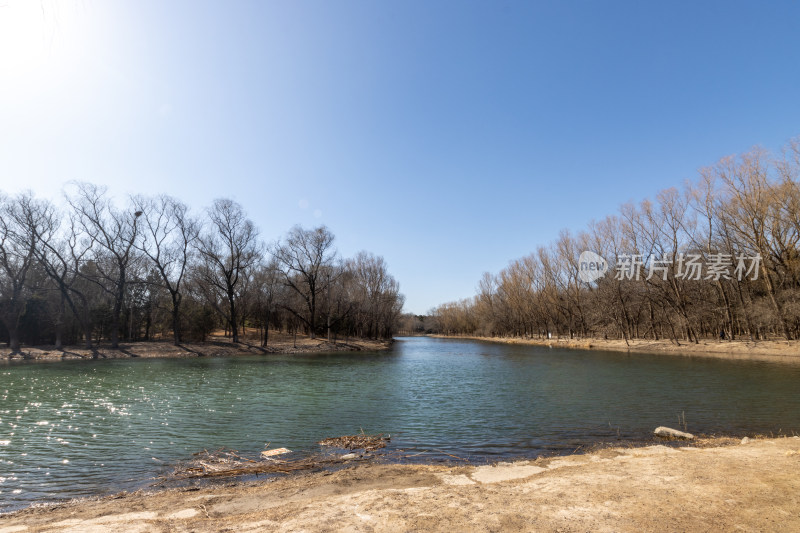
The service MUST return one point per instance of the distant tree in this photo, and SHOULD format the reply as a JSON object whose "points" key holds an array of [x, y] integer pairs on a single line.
{"points": [[169, 236], [305, 258], [62, 254], [753, 212], [113, 234], [94, 269], [719, 258], [267, 287], [21, 221], [228, 248], [378, 294]]}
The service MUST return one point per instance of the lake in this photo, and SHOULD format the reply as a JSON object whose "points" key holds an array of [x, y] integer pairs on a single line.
{"points": [[77, 428]]}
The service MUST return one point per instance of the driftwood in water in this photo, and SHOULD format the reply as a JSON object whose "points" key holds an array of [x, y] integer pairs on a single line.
{"points": [[228, 463], [357, 442]]}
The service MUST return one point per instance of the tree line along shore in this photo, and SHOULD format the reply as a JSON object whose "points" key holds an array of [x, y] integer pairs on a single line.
{"points": [[765, 350], [217, 344], [717, 258], [95, 272]]}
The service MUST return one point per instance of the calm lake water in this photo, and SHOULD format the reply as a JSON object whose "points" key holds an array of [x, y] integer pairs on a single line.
{"points": [[78, 428]]}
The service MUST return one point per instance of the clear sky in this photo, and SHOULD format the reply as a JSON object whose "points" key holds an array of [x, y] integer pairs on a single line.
{"points": [[447, 136]]}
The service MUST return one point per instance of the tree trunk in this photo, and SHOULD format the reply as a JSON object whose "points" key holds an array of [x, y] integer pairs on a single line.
{"points": [[728, 312], [176, 317], [234, 325], [87, 330], [116, 316], [176, 328], [60, 324], [312, 324], [13, 339], [266, 329], [775, 304]]}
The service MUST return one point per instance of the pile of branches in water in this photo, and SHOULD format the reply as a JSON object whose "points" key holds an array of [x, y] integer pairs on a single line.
{"points": [[364, 442], [227, 463]]}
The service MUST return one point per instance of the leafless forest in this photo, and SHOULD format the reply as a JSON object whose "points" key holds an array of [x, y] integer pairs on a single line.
{"points": [[92, 270], [717, 258]]}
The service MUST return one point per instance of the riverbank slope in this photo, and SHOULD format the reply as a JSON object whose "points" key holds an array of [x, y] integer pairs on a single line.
{"points": [[728, 486], [788, 351], [215, 346]]}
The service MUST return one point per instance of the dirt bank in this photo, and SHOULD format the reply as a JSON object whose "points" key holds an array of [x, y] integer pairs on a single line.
{"points": [[215, 346], [788, 351], [749, 487]]}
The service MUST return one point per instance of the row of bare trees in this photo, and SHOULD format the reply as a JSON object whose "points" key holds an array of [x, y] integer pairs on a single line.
{"points": [[91, 270], [717, 258]]}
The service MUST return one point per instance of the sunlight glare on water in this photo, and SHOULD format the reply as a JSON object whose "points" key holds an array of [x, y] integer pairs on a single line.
{"points": [[78, 428]]}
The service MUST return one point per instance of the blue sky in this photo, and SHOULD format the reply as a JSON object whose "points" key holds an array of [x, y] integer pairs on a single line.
{"points": [[448, 136]]}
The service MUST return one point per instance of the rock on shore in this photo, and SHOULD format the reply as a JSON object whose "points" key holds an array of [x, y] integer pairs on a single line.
{"points": [[670, 433]]}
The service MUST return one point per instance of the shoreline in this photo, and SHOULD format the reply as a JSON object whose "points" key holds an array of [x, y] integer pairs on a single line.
{"points": [[717, 483], [215, 346], [302, 463], [774, 351]]}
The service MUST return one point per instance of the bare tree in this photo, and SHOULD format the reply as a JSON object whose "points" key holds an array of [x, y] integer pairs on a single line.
{"points": [[62, 255], [719, 258], [304, 257], [169, 236], [749, 209], [267, 286], [21, 220], [378, 293], [228, 248], [94, 270], [113, 233]]}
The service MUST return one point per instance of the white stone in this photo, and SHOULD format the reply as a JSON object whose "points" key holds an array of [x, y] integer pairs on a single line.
{"points": [[276, 451], [662, 431]]}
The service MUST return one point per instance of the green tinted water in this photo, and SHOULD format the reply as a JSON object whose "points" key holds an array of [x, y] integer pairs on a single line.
{"points": [[77, 428]]}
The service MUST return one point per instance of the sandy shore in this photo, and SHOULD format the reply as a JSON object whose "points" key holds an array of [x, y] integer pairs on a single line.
{"points": [[787, 351], [215, 346], [727, 486]]}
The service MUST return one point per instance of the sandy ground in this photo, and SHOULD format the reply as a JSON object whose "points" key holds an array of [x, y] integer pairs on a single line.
{"points": [[788, 351], [725, 487], [216, 346]]}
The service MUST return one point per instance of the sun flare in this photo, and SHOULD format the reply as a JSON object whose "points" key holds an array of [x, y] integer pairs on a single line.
{"points": [[35, 35]]}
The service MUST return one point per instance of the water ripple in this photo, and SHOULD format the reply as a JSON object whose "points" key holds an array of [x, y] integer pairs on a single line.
{"points": [[79, 428]]}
